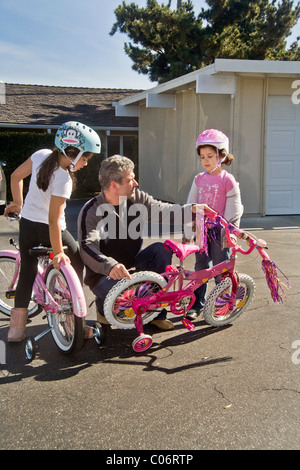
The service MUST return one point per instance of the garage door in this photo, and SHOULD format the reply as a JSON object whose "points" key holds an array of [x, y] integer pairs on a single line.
{"points": [[283, 157]]}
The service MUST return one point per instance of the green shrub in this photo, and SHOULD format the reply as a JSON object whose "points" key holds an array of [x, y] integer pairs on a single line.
{"points": [[16, 147]]}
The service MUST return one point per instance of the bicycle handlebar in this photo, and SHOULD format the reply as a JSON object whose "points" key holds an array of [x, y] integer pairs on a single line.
{"points": [[231, 229], [12, 216], [268, 266]]}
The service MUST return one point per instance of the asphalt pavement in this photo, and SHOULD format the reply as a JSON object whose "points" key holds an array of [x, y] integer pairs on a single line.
{"points": [[231, 388]]}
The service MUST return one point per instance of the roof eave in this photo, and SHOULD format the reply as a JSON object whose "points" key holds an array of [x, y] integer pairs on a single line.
{"points": [[223, 66], [51, 126]]}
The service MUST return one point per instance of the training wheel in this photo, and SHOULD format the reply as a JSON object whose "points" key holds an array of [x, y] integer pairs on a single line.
{"points": [[30, 349], [99, 334], [141, 343]]}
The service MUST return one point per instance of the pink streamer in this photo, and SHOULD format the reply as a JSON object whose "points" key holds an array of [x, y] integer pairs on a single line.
{"points": [[274, 284], [201, 232]]}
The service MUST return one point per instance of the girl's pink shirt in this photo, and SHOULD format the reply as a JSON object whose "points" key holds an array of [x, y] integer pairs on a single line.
{"points": [[212, 189]]}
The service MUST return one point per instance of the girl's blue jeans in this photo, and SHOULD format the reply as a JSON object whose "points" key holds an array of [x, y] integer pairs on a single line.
{"points": [[215, 255]]}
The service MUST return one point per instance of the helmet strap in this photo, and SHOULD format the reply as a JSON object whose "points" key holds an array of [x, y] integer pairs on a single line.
{"points": [[73, 162], [219, 161]]}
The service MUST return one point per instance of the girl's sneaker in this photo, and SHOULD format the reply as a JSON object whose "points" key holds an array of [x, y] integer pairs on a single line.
{"points": [[193, 314]]}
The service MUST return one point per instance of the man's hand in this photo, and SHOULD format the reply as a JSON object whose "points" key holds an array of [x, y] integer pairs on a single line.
{"points": [[118, 272]]}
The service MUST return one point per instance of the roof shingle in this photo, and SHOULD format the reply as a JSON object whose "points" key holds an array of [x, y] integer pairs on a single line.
{"points": [[40, 105]]}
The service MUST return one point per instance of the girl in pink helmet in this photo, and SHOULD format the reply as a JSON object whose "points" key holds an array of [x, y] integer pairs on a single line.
{"points": [[219, 190]]}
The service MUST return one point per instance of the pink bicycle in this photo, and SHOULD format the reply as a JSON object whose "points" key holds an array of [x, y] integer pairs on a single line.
{"points": [[58, 293], [135, 302]]}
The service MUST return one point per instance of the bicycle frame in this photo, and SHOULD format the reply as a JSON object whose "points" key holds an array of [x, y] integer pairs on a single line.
{"points": [[41, 293], [65, 305], [195, 279]]}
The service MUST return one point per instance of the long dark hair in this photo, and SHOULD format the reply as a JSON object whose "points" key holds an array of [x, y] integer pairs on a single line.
{"points": [[50, 164]]}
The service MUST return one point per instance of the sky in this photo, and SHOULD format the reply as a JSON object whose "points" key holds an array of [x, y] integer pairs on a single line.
{"points": [[67, 43]]}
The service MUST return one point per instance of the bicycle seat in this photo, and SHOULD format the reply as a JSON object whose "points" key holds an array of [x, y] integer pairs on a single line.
{"points": [[43, 251], [40, 251], [180, 250]]}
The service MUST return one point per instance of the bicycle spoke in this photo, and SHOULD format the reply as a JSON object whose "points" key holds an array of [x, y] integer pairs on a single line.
{"points": [[67, 328]]}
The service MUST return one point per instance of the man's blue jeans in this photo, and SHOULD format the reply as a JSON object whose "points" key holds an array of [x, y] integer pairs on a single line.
{"points": [[215, 255], [153, 258]]}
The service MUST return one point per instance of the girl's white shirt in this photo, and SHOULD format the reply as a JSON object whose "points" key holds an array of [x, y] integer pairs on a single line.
{"points": [[37, 201]]}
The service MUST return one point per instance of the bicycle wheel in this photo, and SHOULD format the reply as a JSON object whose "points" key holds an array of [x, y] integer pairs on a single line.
{"points": [[117, 306], [216, 310], [67, 328], [8, 266], [142, 343]]}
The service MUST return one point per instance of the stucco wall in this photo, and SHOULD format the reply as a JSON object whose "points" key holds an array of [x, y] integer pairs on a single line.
{"points": [[248, 142], [168, 161], [167, 158]]}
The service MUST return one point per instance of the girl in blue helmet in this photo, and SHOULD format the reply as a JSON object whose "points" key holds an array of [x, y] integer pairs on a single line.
{"points": [[43, 213]]}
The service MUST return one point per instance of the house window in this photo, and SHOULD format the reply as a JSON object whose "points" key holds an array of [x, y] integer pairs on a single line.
{"points": [[113, 145], [129, 146], [122, 145]]}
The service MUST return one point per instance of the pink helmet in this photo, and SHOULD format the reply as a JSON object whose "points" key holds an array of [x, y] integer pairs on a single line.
{"points": [[215, 138]]}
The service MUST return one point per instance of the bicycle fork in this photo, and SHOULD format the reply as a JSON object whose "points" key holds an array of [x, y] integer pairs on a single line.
{"points": [[229, 306]]}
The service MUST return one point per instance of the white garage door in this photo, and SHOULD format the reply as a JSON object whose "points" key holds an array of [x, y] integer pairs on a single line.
{"points": [[283, 156]]}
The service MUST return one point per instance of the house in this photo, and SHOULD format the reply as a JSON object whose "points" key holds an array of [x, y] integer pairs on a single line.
{"points": [[256, 103], [44, 108]]}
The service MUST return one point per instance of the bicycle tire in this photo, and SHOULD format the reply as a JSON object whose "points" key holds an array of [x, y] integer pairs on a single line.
{"points": [[140, 284], [67, 328], [221, 293], [142, 343], [8, 266]]}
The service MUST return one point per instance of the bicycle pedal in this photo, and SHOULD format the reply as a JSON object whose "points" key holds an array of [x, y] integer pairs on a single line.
{"points": [[188, 324], [10, 294]]}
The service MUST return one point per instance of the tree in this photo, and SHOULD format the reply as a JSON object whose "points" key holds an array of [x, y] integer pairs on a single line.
{"points": [[246, 29], [168, 39], [169, 43]]}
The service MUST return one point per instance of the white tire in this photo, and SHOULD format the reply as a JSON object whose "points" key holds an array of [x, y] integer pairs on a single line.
{"points": [[221, 293], [117, 305], [8, 266]]}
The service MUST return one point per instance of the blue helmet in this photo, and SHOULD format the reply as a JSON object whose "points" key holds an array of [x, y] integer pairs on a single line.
{"points": [[78, 135]]}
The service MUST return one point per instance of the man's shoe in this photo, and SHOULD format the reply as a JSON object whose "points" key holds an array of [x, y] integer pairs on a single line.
{"points": [[193, 314], [88, 332], [101, 319], [163, 324]]}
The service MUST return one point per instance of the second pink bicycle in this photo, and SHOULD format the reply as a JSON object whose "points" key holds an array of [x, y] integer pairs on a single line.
{"points": [[57, 292]]}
